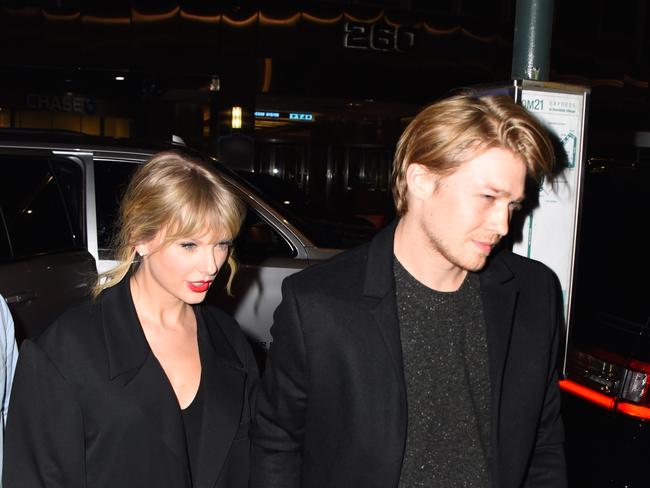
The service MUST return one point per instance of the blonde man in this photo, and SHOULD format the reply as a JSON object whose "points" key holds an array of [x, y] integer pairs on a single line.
{"points": [[427, 357]]}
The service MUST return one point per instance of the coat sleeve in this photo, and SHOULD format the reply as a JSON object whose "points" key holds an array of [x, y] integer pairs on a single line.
{"points": [[282, 402], [9, 355], [44, 442], [548, 465]]}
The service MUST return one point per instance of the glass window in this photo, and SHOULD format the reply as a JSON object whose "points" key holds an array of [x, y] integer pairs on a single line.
{"points": [[111, 178], [69, 177], [33, 207], [5, 250], [258, 240]]}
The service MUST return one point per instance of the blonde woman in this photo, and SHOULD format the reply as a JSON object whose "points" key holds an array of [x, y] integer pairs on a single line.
{"points": [[143, 386]]}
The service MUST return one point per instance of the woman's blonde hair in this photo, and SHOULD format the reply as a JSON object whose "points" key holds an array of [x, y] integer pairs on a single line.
{"points": [[178, 193], [453, 130]]}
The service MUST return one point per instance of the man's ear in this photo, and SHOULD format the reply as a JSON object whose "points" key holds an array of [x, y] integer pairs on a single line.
{"points": [[420, 180]]}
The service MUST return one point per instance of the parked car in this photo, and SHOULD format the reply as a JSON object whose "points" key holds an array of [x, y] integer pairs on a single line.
{"points": [[607, 383], [88, 176]]}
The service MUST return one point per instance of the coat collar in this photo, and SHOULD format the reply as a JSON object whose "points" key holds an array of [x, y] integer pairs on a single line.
{"points": [[132, 364], [499, 291], [379, 279], [224, 380], [126, 343], [379, 289]]}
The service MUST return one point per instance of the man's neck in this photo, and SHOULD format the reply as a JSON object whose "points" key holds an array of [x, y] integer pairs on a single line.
{"points": [[416, 253]]}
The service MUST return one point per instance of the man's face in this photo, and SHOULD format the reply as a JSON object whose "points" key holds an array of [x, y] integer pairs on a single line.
{"points": [[469, 211]]}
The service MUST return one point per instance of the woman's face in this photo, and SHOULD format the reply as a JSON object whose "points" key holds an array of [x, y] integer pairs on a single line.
{"points": [[182, 269]]}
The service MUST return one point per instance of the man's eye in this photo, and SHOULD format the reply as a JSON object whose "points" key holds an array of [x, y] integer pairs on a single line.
{"points": [[488, 197]]}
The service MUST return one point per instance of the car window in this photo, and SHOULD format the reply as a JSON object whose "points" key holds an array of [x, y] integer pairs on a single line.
{"points": [[258, 240], [33, 207], [5, 250], [111, 179], [70, 179], [323, 226]]}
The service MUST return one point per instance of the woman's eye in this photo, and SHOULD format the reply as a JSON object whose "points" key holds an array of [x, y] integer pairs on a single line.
{"points": [[224, 244], [488, 197], [188, 245]]}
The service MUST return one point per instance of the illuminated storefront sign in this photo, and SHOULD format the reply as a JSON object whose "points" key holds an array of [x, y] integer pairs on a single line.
{"points": [[293, 116], [65, 103], [299, 116]]}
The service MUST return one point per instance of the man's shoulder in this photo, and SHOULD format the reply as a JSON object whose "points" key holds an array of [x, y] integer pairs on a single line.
{"points": [[526, 270], [344, 270]]}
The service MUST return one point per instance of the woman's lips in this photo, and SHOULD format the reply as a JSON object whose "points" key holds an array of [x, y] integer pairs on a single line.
{"points": [[199, 286]]}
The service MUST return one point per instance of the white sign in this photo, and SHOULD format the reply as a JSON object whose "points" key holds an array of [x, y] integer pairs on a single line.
{"points": [[549, 233]]}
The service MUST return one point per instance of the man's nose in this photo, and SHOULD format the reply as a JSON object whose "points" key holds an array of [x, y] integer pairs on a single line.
{"points": [[500, 223]]}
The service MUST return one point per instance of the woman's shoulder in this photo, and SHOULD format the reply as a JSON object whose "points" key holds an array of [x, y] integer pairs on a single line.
{"points": [[73, 331]]}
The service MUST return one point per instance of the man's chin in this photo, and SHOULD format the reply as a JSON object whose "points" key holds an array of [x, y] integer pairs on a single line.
{"points": [[476, 265]]}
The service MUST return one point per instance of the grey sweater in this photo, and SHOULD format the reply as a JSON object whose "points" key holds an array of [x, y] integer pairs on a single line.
{"points": [[445, 357]]}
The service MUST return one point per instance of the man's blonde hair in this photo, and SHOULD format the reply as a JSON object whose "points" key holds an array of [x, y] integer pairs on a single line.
{"points": [[179, 194], [455, 129]]}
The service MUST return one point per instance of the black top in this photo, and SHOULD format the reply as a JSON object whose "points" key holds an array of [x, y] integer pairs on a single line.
{"points": [[447, 386], [193, 420]]}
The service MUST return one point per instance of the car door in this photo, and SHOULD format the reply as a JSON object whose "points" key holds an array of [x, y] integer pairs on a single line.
{"points": [[44, 266], [266, 256]]}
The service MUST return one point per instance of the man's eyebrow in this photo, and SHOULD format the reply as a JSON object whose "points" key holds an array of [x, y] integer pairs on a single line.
{"points": [[501, 192]]}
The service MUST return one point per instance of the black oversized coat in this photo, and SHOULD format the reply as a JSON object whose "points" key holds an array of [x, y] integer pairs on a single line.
{"points": [[92, 407], [332, 408]]}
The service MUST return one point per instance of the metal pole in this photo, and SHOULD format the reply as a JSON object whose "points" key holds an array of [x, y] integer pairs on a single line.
{"points": [[532, 41]]}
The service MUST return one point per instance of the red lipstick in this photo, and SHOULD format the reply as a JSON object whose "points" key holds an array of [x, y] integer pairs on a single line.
{"points": [[199, 286]]}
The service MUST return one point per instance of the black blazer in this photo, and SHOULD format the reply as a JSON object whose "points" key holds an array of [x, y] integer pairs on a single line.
{"points": [[332, 407], [92, 407]]}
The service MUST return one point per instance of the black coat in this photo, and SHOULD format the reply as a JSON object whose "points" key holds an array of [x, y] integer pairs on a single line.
{"points": [[92, 407], [332, 407]]}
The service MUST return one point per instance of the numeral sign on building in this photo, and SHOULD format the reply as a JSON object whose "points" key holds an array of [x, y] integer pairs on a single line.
{"points": [[378, 37]]}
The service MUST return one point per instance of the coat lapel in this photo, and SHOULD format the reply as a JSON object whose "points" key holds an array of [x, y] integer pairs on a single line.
{"points": [[499, 294], [379, 290], [133, 367], [224, 380]]}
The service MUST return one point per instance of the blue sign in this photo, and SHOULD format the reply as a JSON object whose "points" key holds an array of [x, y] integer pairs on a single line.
{"points": [[299, 116], [262, 113], [269, 114]]}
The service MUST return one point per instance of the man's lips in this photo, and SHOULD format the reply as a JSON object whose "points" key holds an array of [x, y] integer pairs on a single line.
{"points": [[486, 247], [199, 286]]}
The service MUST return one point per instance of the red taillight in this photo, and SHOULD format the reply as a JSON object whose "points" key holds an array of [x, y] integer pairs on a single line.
{"points": [[587, 393], [610, 381], [633, 410]]}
